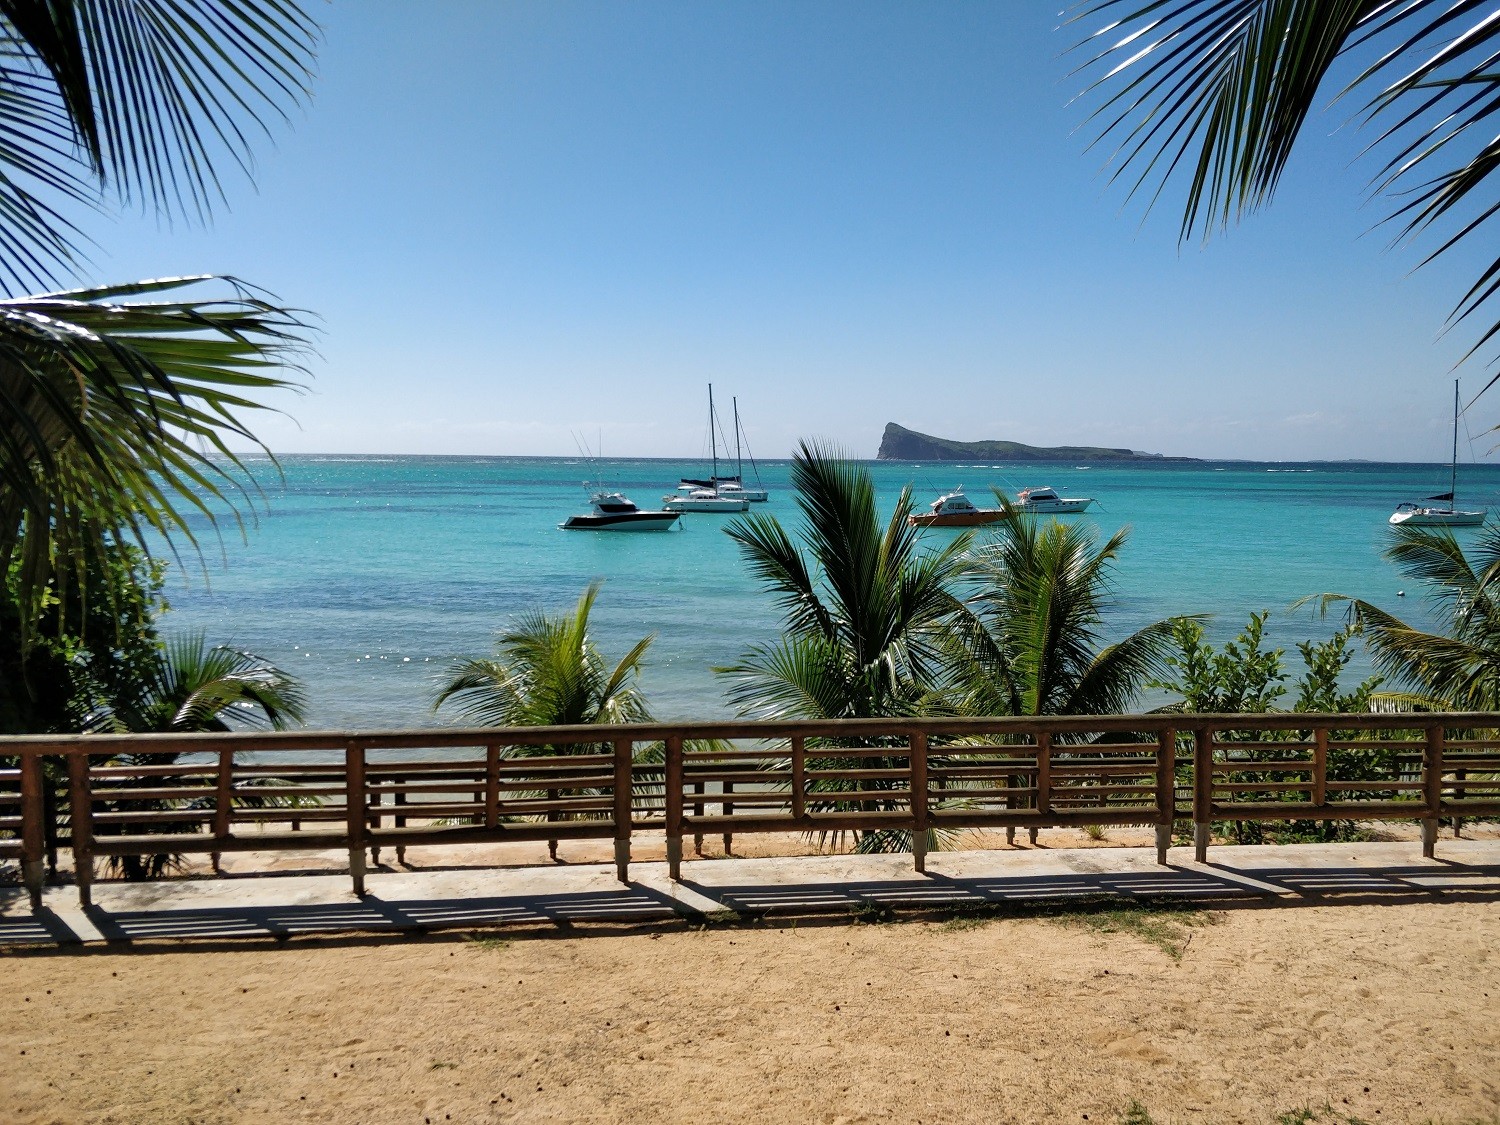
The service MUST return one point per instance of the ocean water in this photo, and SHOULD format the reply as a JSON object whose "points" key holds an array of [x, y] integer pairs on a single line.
{"points": [[366, 576]]}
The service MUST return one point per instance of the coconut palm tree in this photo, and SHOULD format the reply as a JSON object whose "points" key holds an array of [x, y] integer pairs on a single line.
{"points": [[1032, 642], [1221, 90], [117, 403], [547, 671], [191, 687], [865, 610], [194, 688], [1455, 670], [865, 605]]}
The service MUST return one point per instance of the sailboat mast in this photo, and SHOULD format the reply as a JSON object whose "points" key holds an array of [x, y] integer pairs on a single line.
{"points": [[739, 462], [1453, 476], [713, 441]]}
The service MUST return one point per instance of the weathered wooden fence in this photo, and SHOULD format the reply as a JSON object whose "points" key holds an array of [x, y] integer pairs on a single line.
{"points": [[138, 796]]}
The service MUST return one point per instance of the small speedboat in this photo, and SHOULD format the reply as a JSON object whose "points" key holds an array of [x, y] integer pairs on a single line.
{"points": [[612, 511], [1418, 515], [1046, 502], [954, 509], [705, 500]]}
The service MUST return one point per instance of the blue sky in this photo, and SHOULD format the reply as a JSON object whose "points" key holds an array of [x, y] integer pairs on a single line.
{"points": [[521, 220]]}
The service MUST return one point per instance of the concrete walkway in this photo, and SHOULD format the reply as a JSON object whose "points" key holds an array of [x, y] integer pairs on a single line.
{"points": [[442, 898]]}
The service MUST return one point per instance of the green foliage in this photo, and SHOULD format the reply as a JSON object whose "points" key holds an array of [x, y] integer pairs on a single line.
{"points": [[1243, 678], [1136, 1114], [547, 671], [1458, 669], [1218, 92], [1031, 643], [866, 610], [1247, 677], [119, 404], [99, 643], [865, 607]]}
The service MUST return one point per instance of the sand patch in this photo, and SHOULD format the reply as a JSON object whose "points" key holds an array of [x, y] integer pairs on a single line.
{"points": [[1383, 1012]]}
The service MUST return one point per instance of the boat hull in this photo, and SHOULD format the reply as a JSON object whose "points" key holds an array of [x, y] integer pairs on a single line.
{"points": [[1064, 507], [674, 505], [621, 521], [1439, 517], [975, 518]]}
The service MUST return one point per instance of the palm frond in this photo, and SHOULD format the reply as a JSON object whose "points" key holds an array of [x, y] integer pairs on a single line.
{"points": [[1219, 93], [137, 100]]}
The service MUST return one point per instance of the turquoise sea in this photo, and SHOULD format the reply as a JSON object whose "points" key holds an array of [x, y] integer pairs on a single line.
{"points": [[366, 575]]}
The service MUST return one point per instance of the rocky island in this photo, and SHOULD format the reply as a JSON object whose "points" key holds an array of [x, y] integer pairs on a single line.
{"points": [[901, 444]]}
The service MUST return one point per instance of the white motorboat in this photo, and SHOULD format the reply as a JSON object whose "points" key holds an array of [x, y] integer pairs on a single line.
{"points": [[612, 511], [733, 487], [705, 500], [954, 509], [1444, 512], [1046, 502]]}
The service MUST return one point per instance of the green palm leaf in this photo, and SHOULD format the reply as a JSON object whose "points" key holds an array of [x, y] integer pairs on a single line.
{"points": [[1219, 92], [118, 413], [135, 99]]}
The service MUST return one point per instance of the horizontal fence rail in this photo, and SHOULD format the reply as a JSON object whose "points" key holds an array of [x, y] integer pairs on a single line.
{"points": [[894, 785]]}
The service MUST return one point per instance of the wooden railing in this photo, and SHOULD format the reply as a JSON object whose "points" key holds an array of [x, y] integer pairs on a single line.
{"points": [[138, 796]]}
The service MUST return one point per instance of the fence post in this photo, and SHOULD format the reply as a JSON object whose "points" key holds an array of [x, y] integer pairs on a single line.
{"points": [[699, 788], [1043, 778], [673, 783], [1432, 777], [356, 817], [223, 798], [918, 762], [81, 828], [491, 785], [1166, 791], [398, 800], [799, 777], [727, 808], [622, 809], [1203, 790], [1320, 766], [33, 835]]}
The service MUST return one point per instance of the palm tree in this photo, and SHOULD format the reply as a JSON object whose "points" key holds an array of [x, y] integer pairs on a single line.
{"points": [[865, 607], [865, 610], [191, 687], [116, 402], [1224, 88], [1031, 644], [1457, 670], [547, 671]]}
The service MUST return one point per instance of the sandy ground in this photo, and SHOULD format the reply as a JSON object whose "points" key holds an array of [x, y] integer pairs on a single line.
{"points": [[1385, 1013]]}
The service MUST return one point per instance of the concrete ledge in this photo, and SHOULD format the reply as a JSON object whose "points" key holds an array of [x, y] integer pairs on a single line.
{"points": [[403, 900]]}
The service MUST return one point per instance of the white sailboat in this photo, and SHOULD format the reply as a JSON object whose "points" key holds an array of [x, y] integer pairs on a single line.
{"points": [[733, 487], [1445, 513], [706, 496]]}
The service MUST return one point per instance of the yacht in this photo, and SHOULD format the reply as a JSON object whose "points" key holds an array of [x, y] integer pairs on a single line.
{"points": [[704, 500], [1046, 502], [954, 509], [1445, 512], [733, 487], [612, 511]]}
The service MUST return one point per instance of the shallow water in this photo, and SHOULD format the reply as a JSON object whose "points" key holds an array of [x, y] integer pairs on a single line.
{"points": [[368, 574]]}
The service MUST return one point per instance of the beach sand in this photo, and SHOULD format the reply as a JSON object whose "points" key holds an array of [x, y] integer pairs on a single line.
{"points": [[1386, 1013]]}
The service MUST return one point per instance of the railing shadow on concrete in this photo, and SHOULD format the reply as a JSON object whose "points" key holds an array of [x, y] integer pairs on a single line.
{"points": [[592, 898]]}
